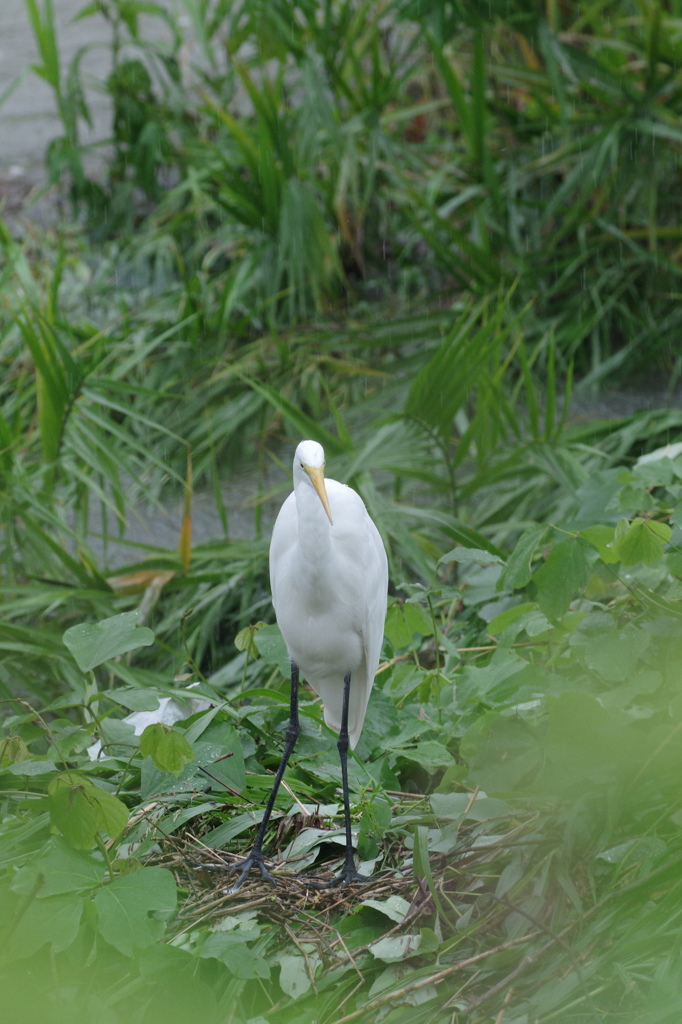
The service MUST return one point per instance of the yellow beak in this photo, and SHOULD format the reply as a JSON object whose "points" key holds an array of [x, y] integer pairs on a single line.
{"points": [[316, 474]]}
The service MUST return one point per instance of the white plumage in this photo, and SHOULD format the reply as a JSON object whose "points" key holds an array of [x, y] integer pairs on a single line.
{"points": [[329, 578]]}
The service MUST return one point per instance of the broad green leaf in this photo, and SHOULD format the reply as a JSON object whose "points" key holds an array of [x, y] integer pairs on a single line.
{"points": [[272, 648], [395, 907], [501, 752], [526, 616], [519, 564], [585, 743], [230, 770], [124, 907], [494, 681], [228, 831], [12, 750], [634, 850], [168, 749], [60, 869], [601, 537], [560, 577], [608, 650], [245, 639], [54, 920], [32, 767], [395, 947], [245, 922], [404, 621], [80, 810], [196, 729], [176, 819], [230, 947], [642, 540], [430, 754], [455, 805], [471, 555], [134, 698], [94, 643], [294, 978]]}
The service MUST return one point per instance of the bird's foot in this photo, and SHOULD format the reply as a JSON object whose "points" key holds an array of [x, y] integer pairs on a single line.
{"points": [[348, 876], [254, 860]]}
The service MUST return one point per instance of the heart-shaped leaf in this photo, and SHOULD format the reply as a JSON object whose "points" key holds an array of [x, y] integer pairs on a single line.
{"points": [[168, 749], [642, 540], [94, 643], [80, 810], [125, 905]]}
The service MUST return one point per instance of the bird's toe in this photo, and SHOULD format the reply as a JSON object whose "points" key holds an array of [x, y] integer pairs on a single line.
{"points": [[254, 859]]}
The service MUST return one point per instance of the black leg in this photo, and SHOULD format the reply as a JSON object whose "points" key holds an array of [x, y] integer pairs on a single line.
{"points": [[255, 858], [348, 872]]}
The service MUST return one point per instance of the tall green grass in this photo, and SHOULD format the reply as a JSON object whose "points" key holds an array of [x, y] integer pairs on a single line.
{"points": [[313, 157]]}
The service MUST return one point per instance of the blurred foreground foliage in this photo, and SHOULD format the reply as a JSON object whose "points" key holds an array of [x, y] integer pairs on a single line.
{"points": [[403, 229], [515, 786]]}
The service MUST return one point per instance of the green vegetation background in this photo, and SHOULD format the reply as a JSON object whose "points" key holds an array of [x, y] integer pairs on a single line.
{"points": [[406, 229]]}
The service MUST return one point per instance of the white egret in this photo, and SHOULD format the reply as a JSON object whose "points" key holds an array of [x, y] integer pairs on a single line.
{"points": [[329, 578]]}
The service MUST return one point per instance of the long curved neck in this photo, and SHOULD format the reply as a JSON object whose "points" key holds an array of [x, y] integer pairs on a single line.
{"points": [[313, 525], [314, 541]]}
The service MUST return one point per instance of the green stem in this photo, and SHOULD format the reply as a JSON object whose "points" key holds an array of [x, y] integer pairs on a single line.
{"points": [[105, 853]]}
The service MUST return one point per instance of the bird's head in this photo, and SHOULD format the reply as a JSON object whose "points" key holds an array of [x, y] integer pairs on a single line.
{"points": [[309, 465]]}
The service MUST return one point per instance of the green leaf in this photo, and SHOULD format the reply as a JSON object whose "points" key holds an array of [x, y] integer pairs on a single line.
{"points": [[168, 749], [652, 600], [585, 744], [61, 869], [81, 810], [561, 576], [454, 806], [422, 866], [492, 681], [54, 920], [273, 649], [94, 643], [245, 639], [430, 754], [608, 650], [33, 767], [395, 907], [642, 540], [404, 621], [232, 950], [471, 555], [12, 750], [526, 616], [601, 538], [518, 571], [124, 907], [305, 425], [228, 831], [395, 947], [501, 752], [459, 359], [230, 770], [294, 978], [134, 698]]}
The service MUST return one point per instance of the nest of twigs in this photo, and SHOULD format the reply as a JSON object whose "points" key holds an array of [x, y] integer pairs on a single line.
{"points": [[207, 876]]}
